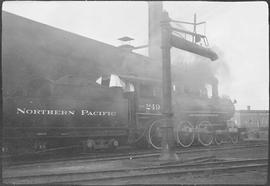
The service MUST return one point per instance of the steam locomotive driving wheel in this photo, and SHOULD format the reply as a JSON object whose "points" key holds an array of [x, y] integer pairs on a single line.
{"points": [[185, 134], [154, 135], [205, 133], [219, 137]]}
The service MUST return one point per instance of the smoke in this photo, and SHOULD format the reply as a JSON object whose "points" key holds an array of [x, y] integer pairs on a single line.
{"points": [[220, 66], [198, 71], [222, 71]]}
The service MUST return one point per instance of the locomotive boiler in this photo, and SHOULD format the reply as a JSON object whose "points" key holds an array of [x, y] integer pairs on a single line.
{"points": [[200, 115]]}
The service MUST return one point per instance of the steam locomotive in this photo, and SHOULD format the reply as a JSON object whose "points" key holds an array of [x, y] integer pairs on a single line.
{"points": [[61, 89]]}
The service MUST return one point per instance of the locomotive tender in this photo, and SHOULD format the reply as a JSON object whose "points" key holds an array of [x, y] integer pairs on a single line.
{"points": [[51, 98]]}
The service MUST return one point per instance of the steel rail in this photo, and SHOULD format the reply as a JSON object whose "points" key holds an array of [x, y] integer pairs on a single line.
{"points": [[180, 172], [123, 156], [90, 176]]}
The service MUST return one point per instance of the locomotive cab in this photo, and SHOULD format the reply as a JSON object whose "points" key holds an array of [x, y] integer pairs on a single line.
{"points": [[144, 105]]}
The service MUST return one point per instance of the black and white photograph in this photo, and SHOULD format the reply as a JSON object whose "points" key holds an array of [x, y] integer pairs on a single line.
{"points": [[135, 92]]}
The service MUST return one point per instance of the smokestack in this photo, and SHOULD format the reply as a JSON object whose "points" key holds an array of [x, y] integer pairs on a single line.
{"points": [[154, 30]]}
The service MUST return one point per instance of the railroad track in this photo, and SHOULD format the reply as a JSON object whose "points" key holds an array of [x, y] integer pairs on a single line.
{"points": [[132, 155], [211, 166]]}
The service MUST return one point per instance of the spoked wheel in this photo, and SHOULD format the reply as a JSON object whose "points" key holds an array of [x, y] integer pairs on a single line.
{"points": [[113, 144], [218, 138], [234, 138], [89, 145], [5, 149], [185, 134], [205, 133], [154, 135]]}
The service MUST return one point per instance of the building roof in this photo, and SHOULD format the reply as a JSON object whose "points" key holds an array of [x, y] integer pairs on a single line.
{"points": [[32, 48], [252, 111]]}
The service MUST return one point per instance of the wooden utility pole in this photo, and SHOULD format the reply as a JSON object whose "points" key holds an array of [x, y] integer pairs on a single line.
{"points": [[169, 40], [168, 144]]}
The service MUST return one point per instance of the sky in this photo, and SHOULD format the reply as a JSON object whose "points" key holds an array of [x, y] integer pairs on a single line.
{"points": [[238, 30]]}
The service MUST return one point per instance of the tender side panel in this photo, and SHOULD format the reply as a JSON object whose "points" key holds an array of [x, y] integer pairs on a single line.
{"points": [[74, 116]]}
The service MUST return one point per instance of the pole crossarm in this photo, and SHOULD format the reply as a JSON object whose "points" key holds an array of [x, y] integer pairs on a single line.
{"points": [[187, 32], [175, 21], [200, 23]]}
